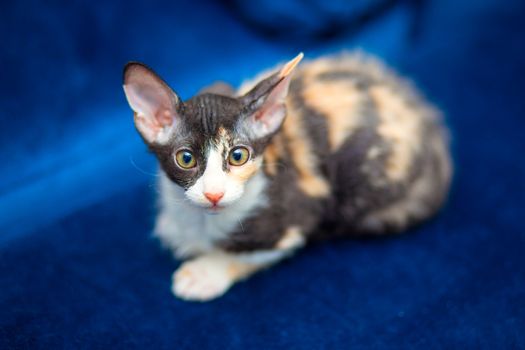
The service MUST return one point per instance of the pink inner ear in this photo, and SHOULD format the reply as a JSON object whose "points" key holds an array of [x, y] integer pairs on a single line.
{"points": [[150, 103], [271, 114], [149, 124], [276, 100], [265, 114], [165, 117]]}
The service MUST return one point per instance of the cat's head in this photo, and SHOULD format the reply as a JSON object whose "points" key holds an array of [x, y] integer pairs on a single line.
{"points": [[211, 145]]}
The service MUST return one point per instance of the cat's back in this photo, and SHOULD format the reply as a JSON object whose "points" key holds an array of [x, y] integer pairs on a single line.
{"points": [[362, 136], [346, 93]]}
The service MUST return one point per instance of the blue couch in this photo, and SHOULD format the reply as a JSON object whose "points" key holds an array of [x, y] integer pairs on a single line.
{"points": [[78, 266]]}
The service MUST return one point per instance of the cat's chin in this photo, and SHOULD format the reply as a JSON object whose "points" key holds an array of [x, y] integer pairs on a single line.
{"points": [[217, 209], [211, 209], [214, 210]]}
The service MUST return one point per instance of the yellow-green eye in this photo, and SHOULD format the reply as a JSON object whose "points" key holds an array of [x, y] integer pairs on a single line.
{"points": [[185, 159], [238, 156]]}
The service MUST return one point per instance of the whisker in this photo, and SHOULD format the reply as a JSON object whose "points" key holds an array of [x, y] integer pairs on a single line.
{"points": [[242, 227], [141, 170]]}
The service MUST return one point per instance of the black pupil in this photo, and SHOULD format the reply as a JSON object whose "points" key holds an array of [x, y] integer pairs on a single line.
{"points": [[187, 157], [237, 155]]}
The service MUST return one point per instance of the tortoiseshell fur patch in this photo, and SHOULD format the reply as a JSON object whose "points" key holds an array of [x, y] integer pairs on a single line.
{"points": [[360, 152]]}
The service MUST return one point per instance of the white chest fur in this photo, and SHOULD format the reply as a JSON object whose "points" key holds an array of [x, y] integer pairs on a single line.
{"points": [[188, 230]]}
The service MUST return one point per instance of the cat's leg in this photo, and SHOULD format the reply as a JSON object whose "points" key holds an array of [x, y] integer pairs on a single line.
{"points": [[210, 275]]}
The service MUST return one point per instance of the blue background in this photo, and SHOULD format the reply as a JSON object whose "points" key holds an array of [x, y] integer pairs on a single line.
{"points": [[78, 267]]}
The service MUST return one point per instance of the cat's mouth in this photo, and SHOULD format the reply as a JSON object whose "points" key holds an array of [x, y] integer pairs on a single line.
{"points": [[211, 208], [215, 209]]}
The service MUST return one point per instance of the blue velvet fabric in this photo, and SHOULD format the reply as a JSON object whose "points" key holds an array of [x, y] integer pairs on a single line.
{"points": [[78, 266]]}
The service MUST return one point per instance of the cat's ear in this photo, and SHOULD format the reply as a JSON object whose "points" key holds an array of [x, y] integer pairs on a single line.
{"points": [[265, 103], [154, 103]]}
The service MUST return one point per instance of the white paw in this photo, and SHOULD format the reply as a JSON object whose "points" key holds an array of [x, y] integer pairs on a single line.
{"points": [[202, 279]]}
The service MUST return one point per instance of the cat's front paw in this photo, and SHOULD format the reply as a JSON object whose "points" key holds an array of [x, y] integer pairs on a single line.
{"points": [[202, 279]]}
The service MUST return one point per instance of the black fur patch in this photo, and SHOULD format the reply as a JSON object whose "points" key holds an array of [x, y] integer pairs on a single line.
{"points": [[288, 206]]}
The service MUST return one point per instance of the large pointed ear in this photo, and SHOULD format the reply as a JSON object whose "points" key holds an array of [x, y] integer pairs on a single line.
{"points": [[154, 103], [265, 103]]}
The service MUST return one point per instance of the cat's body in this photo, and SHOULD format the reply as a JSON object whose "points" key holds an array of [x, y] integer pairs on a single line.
{"points": [[359, 152]]}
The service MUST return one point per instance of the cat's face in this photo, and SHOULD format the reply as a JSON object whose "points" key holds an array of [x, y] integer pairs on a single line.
{"points": [[211, 154], [210, 145]]}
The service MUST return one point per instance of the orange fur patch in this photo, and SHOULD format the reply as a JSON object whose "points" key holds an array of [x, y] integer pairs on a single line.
{"points": [[301, 152], [291, 239], [400, 124], [244, 172], [313, 68], [238, 270], [272, 154], [339, 102]]}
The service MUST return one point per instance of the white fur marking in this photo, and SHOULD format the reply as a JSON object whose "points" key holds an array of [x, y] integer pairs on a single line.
{"points": [[263, 257], [211, 275], [188, 229], [203, 278]]}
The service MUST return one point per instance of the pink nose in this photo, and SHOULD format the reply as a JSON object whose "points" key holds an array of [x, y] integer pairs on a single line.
{"points": [[214, 198]]}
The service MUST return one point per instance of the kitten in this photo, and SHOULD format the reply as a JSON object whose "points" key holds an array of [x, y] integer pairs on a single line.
{"points": [[342, 146]]}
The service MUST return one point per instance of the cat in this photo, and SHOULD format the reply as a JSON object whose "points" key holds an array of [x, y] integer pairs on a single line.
{"points": [[337, 146]]}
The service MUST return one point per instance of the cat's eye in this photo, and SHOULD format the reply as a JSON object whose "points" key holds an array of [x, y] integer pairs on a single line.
{"points": [[185, 159], [239, 156]]}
